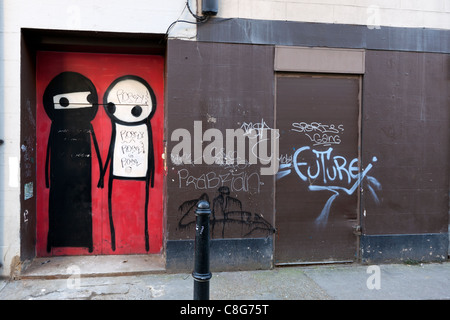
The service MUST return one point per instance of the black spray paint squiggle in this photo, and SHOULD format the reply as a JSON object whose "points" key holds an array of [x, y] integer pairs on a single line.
{"points": [[225, 211]]}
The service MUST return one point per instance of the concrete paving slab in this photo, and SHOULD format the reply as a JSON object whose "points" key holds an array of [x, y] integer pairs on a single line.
{"points": [[396, 281], [276, 284], [138, 287], [322, 282]]}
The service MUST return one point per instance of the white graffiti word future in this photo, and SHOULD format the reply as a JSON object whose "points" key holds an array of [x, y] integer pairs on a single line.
{"points": [[326, 171]]}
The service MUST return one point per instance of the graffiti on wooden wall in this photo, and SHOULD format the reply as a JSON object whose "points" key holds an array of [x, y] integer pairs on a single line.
{"points": [[238, 168], [325, 169], [226, 212], [318, 164]]}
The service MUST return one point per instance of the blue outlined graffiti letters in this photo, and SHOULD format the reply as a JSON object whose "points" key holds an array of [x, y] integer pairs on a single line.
{"points": [[327, 172]]}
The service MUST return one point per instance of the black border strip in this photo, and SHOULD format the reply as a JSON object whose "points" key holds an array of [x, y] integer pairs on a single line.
{"points": [[308, 34], [407, 248]]}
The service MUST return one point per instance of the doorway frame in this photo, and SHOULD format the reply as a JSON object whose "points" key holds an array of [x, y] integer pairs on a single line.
{"points": [[32, 41]]}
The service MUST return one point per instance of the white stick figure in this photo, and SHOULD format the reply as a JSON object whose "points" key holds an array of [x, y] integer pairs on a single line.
{"points": [[130, 104]]}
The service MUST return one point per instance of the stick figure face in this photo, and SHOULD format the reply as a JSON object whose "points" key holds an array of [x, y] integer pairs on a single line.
{"points": [[129, 100], [70, 96]]}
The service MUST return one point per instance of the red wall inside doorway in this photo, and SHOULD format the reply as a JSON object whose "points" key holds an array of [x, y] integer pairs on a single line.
{"points": [[128, 197]]}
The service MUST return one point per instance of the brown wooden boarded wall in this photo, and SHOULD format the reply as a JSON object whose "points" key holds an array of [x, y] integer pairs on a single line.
{"points": [[223, 87], [406, 113]]}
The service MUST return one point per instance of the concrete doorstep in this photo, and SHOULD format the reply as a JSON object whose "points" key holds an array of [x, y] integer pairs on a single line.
{"points": [[61, 267]]}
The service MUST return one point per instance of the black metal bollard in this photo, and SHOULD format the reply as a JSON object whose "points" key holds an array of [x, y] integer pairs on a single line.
{"points": [[201, 273]]}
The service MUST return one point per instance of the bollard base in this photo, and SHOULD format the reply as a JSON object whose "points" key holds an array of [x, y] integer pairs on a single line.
{"points": [[201, 285], [201, 290]]}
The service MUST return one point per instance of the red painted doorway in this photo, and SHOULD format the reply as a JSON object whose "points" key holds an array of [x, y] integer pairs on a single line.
{"points": [[99, 133]]}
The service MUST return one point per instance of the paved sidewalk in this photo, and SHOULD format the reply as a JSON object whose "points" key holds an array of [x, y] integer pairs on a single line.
{"points": [[322, 282]]}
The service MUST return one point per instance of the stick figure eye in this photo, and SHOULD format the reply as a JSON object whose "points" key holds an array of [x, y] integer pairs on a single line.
{"points": [[90, 98], [136, 111], [111, 107], [64, 102], [73, 100]]}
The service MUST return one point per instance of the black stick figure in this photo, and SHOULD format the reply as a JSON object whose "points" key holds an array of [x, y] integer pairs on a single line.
{"points": [[71, 102], [130, 104]]}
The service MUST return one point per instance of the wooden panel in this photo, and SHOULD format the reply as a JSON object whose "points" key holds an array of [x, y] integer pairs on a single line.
{"points": [[327, 60], [218, 87], [316, 188], [28, 154], [406, 117]]}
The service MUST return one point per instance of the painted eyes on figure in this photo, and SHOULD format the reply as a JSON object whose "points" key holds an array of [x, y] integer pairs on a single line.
{"points": [[64, 102], [111, 107], [136, 111], [73, 100]]}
